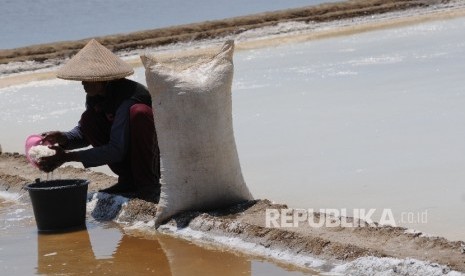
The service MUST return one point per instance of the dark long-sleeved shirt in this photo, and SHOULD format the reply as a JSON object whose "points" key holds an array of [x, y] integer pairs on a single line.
{"points": [[126, 93]]}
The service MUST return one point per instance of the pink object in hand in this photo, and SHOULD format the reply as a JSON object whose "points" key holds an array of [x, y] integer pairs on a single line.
{"points": [[31, 141]]}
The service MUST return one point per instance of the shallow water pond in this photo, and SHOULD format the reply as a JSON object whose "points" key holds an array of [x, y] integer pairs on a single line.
{"points": [[104, 249]]}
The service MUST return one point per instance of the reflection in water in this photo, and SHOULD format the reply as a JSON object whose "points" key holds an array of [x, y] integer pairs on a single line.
{"points": [[72, 253], [188, 259], [104, 249]]}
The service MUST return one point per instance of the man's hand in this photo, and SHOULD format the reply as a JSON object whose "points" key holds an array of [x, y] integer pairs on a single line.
{"points": [[50, 163], [54, 137]]}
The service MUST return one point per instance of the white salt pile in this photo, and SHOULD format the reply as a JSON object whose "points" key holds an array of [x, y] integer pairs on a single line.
{"points": [[106, 207], [8, 196], [366, 266], [37, 152]]}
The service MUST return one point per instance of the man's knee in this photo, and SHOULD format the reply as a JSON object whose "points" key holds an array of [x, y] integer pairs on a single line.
{"points": [[141, 112]]}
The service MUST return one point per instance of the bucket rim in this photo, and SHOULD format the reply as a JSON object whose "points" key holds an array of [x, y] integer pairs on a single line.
{"points": [[72, 183]]}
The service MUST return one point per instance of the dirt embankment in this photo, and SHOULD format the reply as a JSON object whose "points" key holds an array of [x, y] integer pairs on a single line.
{"points": [[214, 29], [247, 222]]}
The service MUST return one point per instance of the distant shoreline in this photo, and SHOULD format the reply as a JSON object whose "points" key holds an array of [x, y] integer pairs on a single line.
{"points": [[38, 62], [215, 29]]}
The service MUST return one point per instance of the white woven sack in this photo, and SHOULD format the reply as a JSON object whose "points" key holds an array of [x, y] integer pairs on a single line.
{"points": [[192, 108]]}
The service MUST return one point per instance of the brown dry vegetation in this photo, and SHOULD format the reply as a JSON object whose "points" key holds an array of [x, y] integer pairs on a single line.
{"points": [[214, 29]]}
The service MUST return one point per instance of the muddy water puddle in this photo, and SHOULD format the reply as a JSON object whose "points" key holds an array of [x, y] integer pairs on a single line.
{"points": [[104, 249]]}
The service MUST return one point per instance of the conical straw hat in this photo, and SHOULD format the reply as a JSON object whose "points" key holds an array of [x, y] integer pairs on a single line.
{"points": [[94, 62]]}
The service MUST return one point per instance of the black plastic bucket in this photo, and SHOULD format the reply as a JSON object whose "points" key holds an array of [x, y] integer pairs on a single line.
{"points": [[59, 205]]}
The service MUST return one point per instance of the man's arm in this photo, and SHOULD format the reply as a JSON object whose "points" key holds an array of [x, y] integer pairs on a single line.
{"points": [[70, 140], [112, 152], [75, 139], [117, 147]]}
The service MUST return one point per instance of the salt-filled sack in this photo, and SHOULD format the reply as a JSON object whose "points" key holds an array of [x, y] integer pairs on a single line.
{"points": [[192, 108]]}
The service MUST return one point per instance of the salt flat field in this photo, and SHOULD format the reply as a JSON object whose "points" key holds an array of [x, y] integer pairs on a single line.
{"points": [[373, 120]]}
